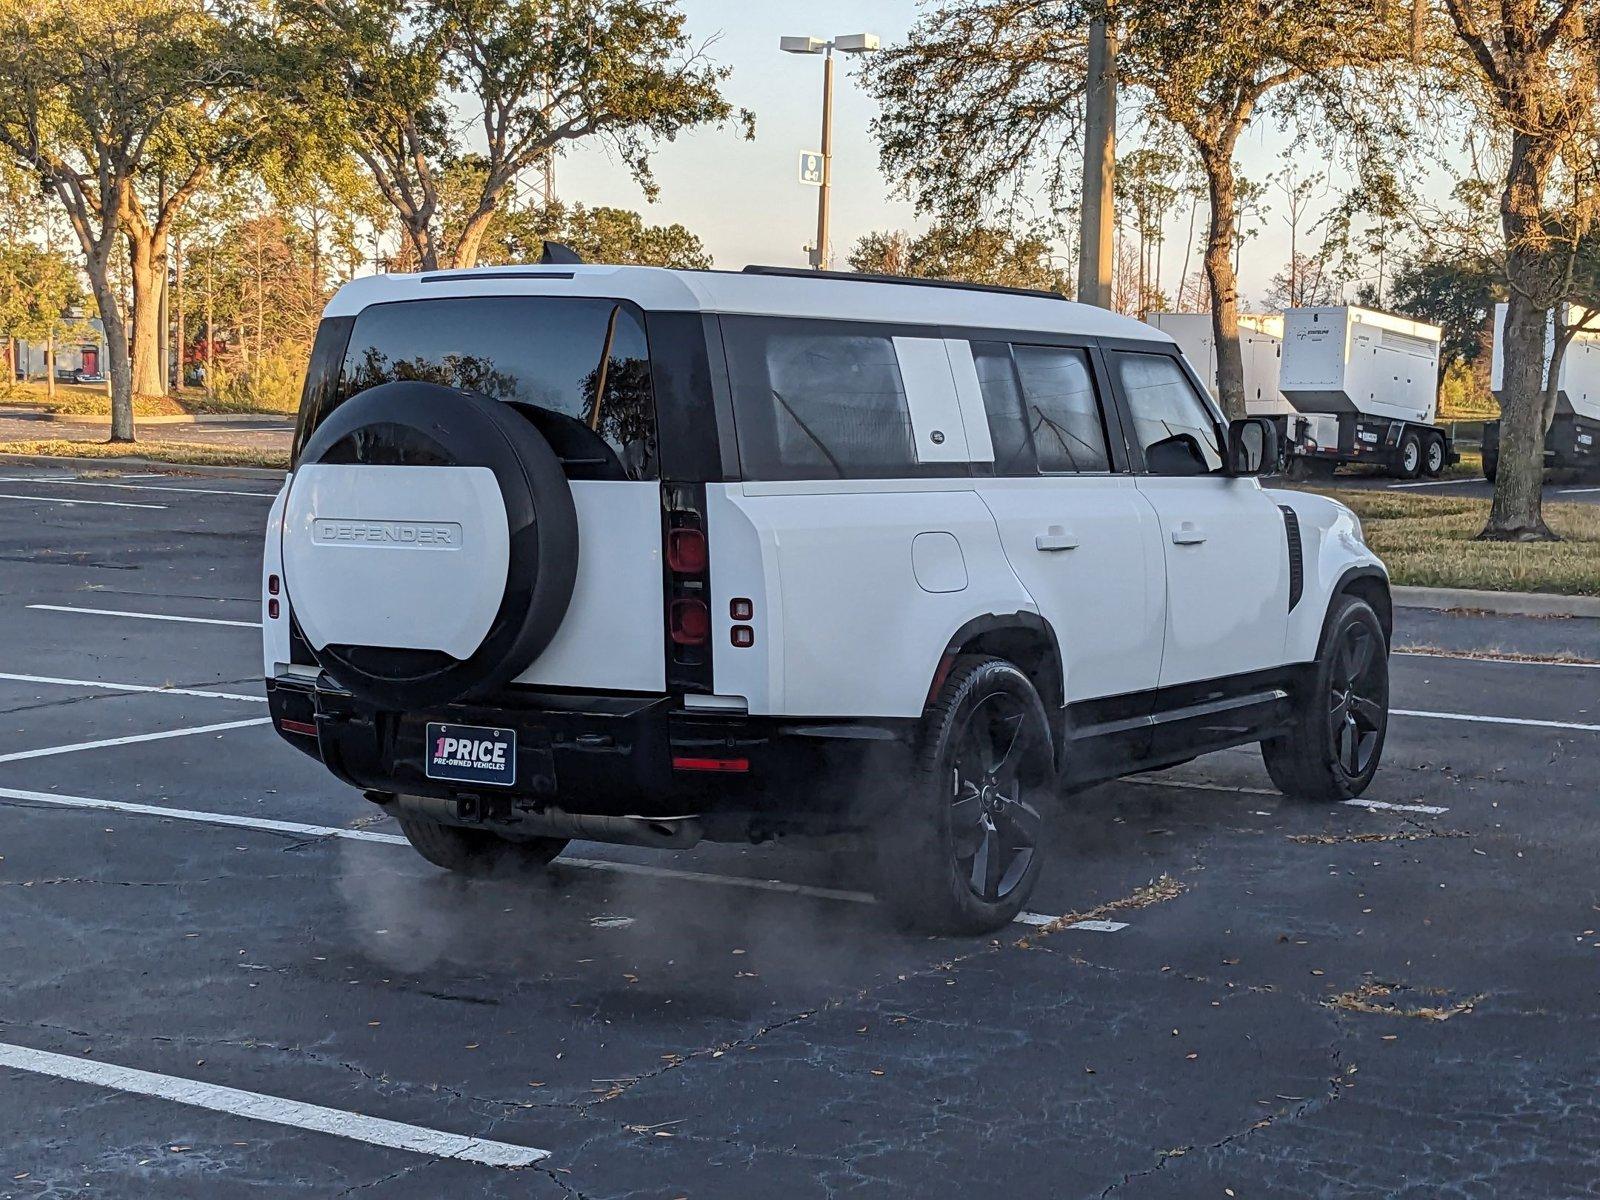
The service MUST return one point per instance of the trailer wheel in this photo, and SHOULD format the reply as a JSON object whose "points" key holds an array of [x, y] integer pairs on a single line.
{"points": [[1410, 456], [1491, 464], [1433, 457]]}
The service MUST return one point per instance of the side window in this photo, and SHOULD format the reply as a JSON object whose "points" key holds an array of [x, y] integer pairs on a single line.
{"points": [[1173, 425], [818, 400], [1002, 404], [1043, 413]]}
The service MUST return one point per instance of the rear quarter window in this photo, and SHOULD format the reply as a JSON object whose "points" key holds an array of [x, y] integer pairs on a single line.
{"points": [[821, 400]]}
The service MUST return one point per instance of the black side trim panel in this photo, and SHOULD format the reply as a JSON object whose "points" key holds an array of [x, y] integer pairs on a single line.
{"points": [[1297, 562]]}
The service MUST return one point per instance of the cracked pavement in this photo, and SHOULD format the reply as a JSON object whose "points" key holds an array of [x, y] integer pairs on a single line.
{"points": [[1320, 1002]]}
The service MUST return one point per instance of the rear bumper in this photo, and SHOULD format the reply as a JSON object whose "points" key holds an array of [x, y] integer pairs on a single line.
{"points": [[621, 755]]}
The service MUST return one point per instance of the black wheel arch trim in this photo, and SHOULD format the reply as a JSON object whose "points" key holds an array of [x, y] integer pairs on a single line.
{"points": [[1051, 673], [1346, 586]]}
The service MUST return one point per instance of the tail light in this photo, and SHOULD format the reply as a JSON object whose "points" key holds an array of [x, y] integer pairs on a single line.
{"points": [[688, 587], [690, 622], [687, 553]]}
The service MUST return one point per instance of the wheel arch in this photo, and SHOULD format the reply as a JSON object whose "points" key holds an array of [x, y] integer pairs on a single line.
{"points": [[1369, 584], [1029, 641]]}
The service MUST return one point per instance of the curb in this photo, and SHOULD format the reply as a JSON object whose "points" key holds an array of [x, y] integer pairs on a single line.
{"points": [[264, 420], [142, 464], [1507, 604]]}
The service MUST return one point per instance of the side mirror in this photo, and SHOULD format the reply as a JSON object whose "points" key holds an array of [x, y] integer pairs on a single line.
{"points": [[1252, 447]]}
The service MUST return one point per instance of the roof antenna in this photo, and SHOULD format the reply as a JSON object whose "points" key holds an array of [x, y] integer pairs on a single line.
{"points": [[555, 252]]}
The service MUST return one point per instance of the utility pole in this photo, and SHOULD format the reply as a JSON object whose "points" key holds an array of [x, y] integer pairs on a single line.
{"points": [[825, 192], [1098, 215], [851, 43]]}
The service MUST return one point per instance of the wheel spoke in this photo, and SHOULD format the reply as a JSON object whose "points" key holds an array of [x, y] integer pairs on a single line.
{"points": [[1340, 710], [1005, 770], [1368, 713], [1022, 824], [987, 867], [1352, 747], [1359, 653]]}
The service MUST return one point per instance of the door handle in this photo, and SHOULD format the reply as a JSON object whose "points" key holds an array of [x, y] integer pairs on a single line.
{"points": [[1056, 539], [1187, 534]]}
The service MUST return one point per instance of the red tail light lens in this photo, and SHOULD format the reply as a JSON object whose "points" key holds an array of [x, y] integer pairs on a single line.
{"points": [[718, 765], [686, 551], [272, 585], [272, 610], [690, 622]]}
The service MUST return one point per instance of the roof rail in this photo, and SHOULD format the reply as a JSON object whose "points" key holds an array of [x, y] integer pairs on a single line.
{"points": [[911, 280]]}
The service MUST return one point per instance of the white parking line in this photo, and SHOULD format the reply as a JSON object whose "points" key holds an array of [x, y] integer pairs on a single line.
{"points": [[52, 751], [1431, 810], [1384, 805], [95, 503], [1577, 491], [117, 612], [274, 1110], [1577, 726], [132, 687], [297, 829], [1434, 483], [134, 487]]}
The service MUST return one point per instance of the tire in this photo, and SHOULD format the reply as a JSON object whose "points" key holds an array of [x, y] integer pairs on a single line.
{"points": [[1335, 740], [1433, 457], [1491, 465], [1410, 464], [971, 811], [416, 424], [476, 852]]}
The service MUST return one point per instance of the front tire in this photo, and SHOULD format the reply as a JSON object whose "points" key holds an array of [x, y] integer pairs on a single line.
{"points": [[1335, 741], [1410, 456], [961, 855], [476, 852]]}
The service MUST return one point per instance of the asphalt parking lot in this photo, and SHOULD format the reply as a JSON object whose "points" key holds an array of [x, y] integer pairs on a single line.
{"points": [[223, 975]]}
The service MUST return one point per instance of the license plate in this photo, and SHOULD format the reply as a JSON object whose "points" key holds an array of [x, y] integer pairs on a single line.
{"points": [[471, 754]]}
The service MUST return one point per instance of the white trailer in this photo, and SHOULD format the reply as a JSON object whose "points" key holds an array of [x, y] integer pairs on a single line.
{"points": [[1260, 343], [1574, 437], [1376, 375]]}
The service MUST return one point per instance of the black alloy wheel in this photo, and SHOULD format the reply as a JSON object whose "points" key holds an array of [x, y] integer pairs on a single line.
{"points": [[1357, 699], [994, 828], [961, 851]]}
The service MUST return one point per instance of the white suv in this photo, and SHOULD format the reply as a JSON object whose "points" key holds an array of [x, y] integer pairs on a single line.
{"points": [[653, 556]]}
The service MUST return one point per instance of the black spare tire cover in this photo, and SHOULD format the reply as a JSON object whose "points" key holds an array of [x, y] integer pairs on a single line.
{"points": [[417, 424]]}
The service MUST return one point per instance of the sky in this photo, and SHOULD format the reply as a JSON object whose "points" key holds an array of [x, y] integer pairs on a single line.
{"points": [[744, 198]]}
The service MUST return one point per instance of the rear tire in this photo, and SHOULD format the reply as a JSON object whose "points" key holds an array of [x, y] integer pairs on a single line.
{"points": [[1491, 465], [962, 853], [476, 852], [1335, 740], [1433, 457]]}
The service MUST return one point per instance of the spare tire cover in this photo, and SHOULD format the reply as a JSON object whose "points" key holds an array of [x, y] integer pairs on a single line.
{"points": [[430, 544]]}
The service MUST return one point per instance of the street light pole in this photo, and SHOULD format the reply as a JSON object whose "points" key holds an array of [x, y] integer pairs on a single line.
{"points": [[824, 193], [852, 43], [1097, 215]]}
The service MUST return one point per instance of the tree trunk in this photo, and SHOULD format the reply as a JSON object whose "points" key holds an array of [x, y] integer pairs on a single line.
{"points": [[1224, 283], [120, 369], [1517, 513], [471, 241], [146, 266]]}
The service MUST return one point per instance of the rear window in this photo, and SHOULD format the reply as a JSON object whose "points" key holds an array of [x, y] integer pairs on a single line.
{"points": [[579, 368], [820, 400]]}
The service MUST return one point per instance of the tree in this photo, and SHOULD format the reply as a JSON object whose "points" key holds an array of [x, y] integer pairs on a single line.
{"points": [[1528, 68], [533, 75], [117, 106], [1007, 115], [1457, 292], [1146, 189], [972, 254], [604, 235]]}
